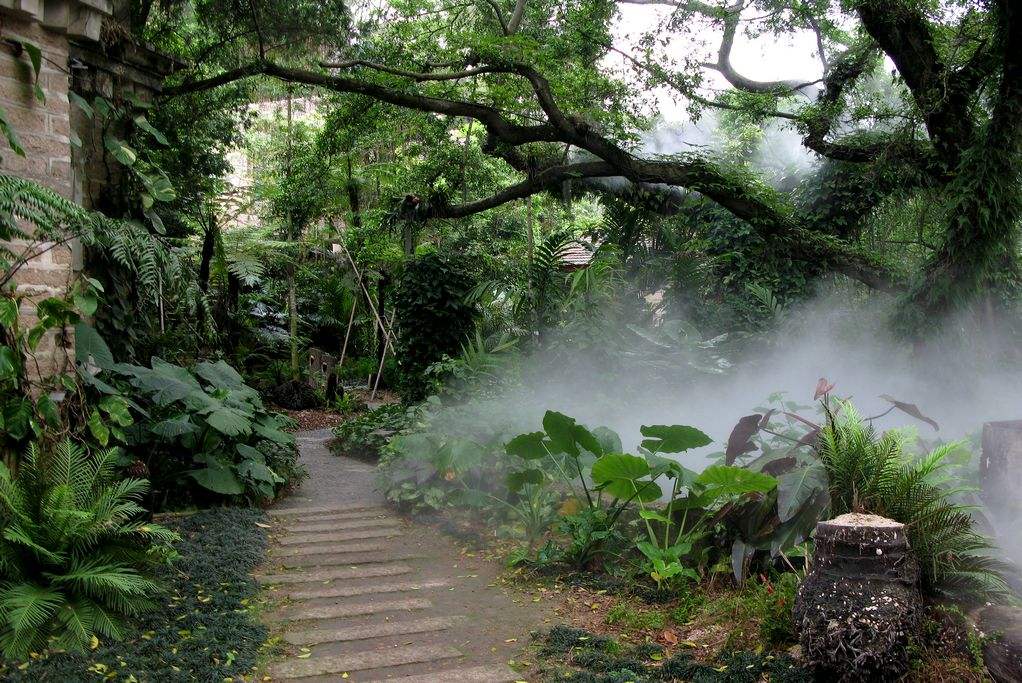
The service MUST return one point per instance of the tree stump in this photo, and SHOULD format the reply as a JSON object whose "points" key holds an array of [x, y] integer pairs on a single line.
{"points": [[1000, 468], [1002, 653], [859, 607]]}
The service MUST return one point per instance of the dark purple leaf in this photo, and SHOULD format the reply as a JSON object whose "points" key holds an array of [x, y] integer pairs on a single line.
{"points": [[740, 441]]}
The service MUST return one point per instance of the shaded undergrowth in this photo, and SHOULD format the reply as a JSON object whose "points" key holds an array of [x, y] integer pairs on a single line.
{"points": [[589, 658], [204, 628]]}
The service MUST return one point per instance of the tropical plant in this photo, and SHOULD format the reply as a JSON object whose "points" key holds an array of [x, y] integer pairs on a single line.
{"points": [[76, 554], [874, 473], [201, 426]]}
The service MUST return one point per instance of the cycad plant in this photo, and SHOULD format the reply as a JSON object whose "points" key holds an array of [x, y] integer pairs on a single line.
{"points": [[76, 554], [874, 473]]}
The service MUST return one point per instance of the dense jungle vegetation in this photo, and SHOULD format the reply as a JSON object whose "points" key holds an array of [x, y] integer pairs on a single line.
{"points": [[508, 223]]}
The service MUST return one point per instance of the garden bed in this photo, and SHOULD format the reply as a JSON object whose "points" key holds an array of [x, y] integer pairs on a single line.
{"points": [[204, 627]]}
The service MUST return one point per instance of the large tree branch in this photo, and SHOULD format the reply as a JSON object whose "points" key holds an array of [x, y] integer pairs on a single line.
{"points": [[752, 204], [417, 76], [903, 33]]}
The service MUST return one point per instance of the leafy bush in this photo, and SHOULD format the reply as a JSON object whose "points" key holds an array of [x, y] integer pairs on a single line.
{"points": [[76, 556], [433, 318], [871, 473], [202, 434], [204, 629], [365, 436]]}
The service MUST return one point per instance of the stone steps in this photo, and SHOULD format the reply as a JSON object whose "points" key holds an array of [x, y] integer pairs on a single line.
{"points": [[335, 573], [303, 527], [367, 597], [366, 660], [348, 590], [343, 634], [317, 610]]}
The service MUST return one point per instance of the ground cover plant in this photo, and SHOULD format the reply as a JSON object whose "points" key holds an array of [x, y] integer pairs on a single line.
{"points": [[204, 627]]}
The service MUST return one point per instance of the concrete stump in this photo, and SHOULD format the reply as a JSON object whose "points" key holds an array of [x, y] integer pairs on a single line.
{"points": [[1000, 468], [1002, 654], [859, 607]]}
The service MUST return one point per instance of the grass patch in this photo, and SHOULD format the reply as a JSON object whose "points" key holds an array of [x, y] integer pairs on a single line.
{"points": [[623, 614], [204, 628]]}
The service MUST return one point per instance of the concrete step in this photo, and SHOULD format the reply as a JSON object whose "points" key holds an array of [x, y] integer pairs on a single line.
{"points": [[310, 611], [335, 574], [337, 634], [321, 510], [367, 660], [474, 674], [343, 525], [337, 536], [330, 549], [342, 559], [350, 591], [369, 513]]}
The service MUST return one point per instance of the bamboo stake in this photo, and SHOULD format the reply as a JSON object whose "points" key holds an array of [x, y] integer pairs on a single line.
{"points": [[379, 370], [351, 320]]}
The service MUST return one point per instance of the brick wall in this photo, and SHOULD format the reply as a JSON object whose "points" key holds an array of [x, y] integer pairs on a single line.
{"points": [[43, 129]]}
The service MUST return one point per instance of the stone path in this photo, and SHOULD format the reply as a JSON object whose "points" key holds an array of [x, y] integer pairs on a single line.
{"points": [[368, 596]]}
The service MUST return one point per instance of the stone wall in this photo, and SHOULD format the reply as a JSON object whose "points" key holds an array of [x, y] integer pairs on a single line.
{"points": [[43, 130]]}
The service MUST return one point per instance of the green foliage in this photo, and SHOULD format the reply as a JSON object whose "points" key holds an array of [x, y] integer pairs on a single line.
{"points": [[433, 318], [76, 556], [201, 432], [205, 628], [873, 473], [365, 436]]}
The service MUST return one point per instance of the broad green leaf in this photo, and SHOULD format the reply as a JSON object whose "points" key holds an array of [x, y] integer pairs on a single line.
{"points": [[566, 435], [250, 453], [98, 428], [81, 103], [609, 440], [672, 438], [9, 134], [8, 311], [117, 408], [417, 446], [723, 480], [174, 427], [143, 123], [9, 363], [120, 149], [267, 430], [561, 430], [86, 303], [253, 469], [795, 488], [48, 409], [527, 446], [229, 421], [218, 477], [623, 476], [89, 345], [518, 480], [167, 383]]}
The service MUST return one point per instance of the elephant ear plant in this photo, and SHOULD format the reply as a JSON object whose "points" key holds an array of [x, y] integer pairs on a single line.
{"points": [[607, 482]]}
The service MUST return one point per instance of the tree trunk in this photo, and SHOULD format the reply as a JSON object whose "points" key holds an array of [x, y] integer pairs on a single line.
{"points": [[982, 230], [354, 200], [206, 257], [292, 308]]}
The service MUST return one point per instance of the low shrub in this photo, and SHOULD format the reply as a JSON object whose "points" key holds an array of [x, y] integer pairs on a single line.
{"points": [[200, 433], [77, 557], [205, 628], [874, 473], [364, 437]]}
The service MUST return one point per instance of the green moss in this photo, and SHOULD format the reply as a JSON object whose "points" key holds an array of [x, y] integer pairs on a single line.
{"points": [[635, 619], [204, 628]]}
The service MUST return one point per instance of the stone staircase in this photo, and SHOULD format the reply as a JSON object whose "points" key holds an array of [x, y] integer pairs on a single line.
{"points": [[363, 595]]}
